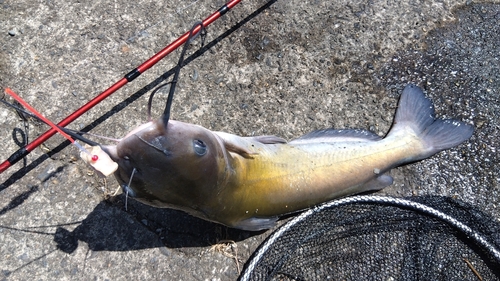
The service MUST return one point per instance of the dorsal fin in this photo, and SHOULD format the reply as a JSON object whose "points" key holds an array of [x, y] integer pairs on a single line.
{"points": [[333, 135]]}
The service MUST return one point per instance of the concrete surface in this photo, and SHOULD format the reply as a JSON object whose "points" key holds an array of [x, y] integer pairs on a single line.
{"points": [[289, 68]]}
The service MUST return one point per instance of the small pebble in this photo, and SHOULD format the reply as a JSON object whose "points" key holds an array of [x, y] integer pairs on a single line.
{"points": [[194, 76], [43, 176], [165, 251], [13, 32]]}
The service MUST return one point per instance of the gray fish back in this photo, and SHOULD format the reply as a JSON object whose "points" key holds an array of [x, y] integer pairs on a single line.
{"points": [[333, 135]]}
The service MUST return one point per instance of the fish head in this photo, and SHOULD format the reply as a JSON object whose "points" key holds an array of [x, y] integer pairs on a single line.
{"points": [[177, 166]]}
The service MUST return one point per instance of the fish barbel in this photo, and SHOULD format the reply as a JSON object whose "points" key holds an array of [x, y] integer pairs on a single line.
{"points": [[248, 182]]}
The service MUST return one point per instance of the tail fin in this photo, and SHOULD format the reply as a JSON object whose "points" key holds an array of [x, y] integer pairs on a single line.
{"points": [[417, 112]]}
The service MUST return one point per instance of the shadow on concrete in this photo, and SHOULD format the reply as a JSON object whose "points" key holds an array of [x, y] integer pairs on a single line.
{"points": [[109, 227]]}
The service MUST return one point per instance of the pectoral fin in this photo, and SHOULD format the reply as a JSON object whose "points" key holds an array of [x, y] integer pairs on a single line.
{"points": [[244, 145]]}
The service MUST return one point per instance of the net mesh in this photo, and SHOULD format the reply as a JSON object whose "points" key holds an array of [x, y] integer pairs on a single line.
{"points": [[382, 238]]}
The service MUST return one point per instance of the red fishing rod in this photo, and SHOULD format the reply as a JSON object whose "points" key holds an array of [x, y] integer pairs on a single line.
{"points": [[22, 152]]}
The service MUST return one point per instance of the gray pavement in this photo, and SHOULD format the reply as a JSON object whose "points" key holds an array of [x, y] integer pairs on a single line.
{"points": [[286, 69]]}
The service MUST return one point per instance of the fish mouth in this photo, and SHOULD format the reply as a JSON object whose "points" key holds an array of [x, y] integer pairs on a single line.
{"points": [[112, 151], [125, 173]]}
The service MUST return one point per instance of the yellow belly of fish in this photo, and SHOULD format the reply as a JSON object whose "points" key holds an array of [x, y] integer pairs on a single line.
{"points": [[289, 178]]}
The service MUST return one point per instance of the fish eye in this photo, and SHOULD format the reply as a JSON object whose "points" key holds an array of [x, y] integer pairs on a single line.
{"points": [[200, 148]]}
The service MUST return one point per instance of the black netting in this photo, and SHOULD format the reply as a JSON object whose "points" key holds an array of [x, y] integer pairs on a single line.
{"points": [[380, 238]]}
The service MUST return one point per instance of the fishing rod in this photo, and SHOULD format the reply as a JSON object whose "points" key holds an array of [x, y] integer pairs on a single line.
{"points": [[129, 77]]}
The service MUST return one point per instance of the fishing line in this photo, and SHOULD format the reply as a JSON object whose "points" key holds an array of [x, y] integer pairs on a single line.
{"points": [[192, 36], [20, 111], [202, 32], [47, 121], [24, 136], [18, 132], [150, 100]]}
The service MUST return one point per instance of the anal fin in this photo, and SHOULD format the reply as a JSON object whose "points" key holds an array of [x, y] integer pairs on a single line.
{"points": [[256, 224], [377, 183]]}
